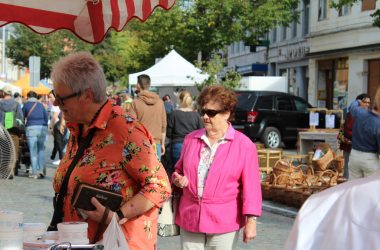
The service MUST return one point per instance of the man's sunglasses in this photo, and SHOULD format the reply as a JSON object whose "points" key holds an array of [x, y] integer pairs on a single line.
{"points": [[60, 100], [210, 112]]}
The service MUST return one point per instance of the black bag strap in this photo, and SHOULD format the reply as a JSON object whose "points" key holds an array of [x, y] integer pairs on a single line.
{"points": [[58, 213]]}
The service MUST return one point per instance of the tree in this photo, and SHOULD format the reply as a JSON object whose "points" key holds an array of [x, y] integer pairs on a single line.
{"points": [[120, 54], [212, 68], [340, 3], [49, 47], [209, 25]]}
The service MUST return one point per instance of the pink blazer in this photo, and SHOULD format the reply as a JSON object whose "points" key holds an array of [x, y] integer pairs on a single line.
{"points": [[232, 188]]}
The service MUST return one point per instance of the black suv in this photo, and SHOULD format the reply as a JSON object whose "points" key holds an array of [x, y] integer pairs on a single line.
{"points": [[271, 116]]}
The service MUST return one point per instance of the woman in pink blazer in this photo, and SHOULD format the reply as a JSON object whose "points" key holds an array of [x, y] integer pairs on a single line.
{"points": [[218, 178]]}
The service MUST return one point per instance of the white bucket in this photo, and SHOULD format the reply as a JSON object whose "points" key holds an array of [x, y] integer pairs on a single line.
{"points": [[10, 220], [33, 231], [73, 232], [11, 240]]}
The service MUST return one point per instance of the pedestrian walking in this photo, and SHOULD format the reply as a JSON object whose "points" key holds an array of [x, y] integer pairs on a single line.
{"points": [[36, 122], [345, 133], [364, 157], [218, 179], [149, 109], [113, 151]]}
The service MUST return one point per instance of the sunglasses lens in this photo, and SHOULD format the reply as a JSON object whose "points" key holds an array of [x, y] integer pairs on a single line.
{"points": [[209, 112]]}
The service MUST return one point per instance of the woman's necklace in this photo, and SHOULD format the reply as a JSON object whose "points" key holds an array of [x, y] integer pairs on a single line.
{"points": [[91, 122]]}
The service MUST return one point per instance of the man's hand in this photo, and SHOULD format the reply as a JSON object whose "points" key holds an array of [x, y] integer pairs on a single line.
{"points": [[163, 149]]}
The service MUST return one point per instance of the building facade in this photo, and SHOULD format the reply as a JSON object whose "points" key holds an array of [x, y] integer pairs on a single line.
{"points": [[344, 58], [285, 56], [329, 56]]}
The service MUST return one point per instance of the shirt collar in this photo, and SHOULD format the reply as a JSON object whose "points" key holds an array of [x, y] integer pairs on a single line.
{"points": [[230, 134]]}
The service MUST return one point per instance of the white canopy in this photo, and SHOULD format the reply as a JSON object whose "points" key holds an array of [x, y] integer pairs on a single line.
{"points": [[172, 70], [15, 89]]}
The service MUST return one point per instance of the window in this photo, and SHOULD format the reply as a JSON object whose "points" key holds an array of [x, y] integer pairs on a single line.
{"points": [[345, 10], [284, 103], [322, 10], [274, 35], [283, 33], [266, 102], [368, 5], [306, 11], [294, 29], [301, 105]]}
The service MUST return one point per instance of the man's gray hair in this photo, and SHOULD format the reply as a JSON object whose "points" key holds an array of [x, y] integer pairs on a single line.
{"points": [[80, 71]]}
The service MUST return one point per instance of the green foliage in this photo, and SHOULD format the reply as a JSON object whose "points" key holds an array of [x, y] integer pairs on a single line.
{"points": [[209, 25], [120, 54], [49, 47], [203, 28], [212, 68]]}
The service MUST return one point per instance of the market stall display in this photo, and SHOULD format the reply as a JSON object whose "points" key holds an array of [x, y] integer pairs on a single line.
{"points": [[293, 184]]}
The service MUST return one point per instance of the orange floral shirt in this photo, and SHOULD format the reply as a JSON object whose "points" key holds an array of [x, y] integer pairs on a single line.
{"points": [[120, 158]]}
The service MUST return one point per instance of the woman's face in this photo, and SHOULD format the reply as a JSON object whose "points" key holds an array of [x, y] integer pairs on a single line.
{"points": [[214, 117]]}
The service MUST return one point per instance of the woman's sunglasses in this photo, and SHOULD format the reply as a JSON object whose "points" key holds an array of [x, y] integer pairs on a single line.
{"points": [[210, 112]]}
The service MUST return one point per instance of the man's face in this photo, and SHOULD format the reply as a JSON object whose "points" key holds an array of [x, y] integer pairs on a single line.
{"points": [[365, 103], [69, 106]]}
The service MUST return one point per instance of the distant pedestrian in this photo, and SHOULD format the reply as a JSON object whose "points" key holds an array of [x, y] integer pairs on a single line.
{"points": [[149, 109], [345, 134], [181, 122], [364, 157], [36, 123], [11, 117], [55, 113], [169, 107]]}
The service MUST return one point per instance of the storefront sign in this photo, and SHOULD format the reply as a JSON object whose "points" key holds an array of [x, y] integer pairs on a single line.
{"points": [[298, 52]]}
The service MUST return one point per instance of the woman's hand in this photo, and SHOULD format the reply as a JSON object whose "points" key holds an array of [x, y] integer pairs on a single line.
{"points": [[180, 181], [96, 215], [249, 230]]}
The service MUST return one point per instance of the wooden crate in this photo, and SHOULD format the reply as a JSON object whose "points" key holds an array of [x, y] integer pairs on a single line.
{"points": [[268, 158]]}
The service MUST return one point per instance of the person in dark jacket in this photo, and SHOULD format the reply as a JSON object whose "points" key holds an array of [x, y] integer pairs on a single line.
{"points": [[364, 156], [36, 123], [181, 122], [345, 134]]}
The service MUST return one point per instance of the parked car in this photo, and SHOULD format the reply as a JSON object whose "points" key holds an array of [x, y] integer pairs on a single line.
{"points": [[272, 117]]}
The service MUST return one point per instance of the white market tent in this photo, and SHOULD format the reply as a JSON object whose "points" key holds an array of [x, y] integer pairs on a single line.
{"points": [[171, 71], [15, 89]]}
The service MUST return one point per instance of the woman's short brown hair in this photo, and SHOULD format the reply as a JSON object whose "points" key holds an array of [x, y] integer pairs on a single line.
{"points": [[217, 93]]}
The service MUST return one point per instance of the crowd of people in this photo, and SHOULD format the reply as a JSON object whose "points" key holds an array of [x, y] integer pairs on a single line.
{"points": [[147, 149]]}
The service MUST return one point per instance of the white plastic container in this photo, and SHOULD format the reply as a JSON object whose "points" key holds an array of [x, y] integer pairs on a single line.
{"points": [[38, 245], [73, 232], [33, 231], [11, 240], [10, 220]]}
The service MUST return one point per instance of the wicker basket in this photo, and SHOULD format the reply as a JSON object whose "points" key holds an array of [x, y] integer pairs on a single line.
{"points": [[323, 163], [286, 172], [339, 165], [266, 190], [328, 178]]}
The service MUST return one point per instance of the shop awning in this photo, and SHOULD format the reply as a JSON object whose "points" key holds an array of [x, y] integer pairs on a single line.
{"points": [[88, 19]]}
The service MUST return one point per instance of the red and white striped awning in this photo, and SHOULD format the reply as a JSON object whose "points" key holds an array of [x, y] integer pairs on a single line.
{"points": [[88, 19]]}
